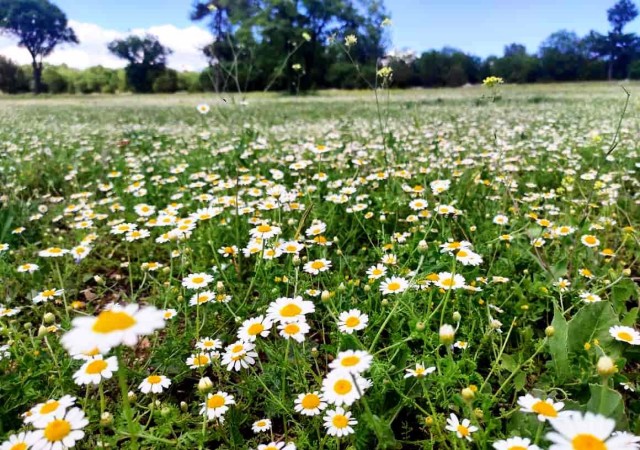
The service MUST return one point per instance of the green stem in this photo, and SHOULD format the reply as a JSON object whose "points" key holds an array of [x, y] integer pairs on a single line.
{"points": [[124, 392]]}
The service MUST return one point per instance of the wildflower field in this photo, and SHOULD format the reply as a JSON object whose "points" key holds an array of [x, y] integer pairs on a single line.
{"points": [[445, 269]]}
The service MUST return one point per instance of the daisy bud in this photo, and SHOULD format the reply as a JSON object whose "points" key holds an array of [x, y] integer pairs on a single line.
{"points": [[420, 326], [626, 272], [428, 421], [447, 333], [325, 296], [383, 218], [205, 384], [220, 287], [180, 298], [341, 287], [158, 404], [291, 222], [165, 411], [28, 325], [468, 394], [457, 316], [314, 351], [339, 252], [384, 302], [549, 331], [422, 246], [296, 261], [132, 396], [98, 279], [49, 318], [166, 270], [106, 419], [42, 331], [184, 407], [606, 366], [478, 413], [367, 288]]}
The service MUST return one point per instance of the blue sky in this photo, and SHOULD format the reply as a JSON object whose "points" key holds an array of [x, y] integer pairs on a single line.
{"points": [[482, 27]]}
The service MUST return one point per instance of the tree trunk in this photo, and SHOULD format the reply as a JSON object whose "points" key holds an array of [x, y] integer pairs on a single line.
{"points": [[37, 77]]}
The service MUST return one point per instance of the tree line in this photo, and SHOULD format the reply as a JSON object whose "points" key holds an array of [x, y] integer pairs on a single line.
{"points": [[299, 45]]}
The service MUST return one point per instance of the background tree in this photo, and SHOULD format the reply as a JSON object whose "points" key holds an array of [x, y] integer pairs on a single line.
{"points": [[147, 59], [39, 26], [12, 77]]}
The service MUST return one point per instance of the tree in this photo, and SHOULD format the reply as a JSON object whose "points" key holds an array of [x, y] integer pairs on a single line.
{"points": [[147, 59], [617, 47], [40, 26], [12, 78], [562, 55]]}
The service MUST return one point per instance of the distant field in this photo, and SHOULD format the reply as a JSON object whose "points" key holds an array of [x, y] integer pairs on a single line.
{"points": [[420, 272]]}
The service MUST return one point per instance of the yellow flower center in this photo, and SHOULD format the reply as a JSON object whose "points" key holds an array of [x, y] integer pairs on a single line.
{"points": [[19, 446], [448, 282], [545, 409], [349, 361], [110, 321], [261, 423], [197, 280], [352, 322], [393, 286], [462, 253], [317, 265], [517, 447], [623, 335], [255, 329], [200, 360], [57, 430], [96, 367], [291, 310], [154, 379], [264, 228], [310, 401], [49, 407], [591, 240], [291, 328], [55, 250], [237, 348], [464, 431], [215, 401], [48, 293], [586, 441], [340, 421], [342, 387]]}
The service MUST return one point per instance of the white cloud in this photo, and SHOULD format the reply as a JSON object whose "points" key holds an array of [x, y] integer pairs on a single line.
{"points": [[186, 44]]}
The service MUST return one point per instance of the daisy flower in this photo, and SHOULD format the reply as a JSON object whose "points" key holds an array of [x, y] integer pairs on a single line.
{"points": [[277, 446], [377, 271], [216, 405], [286, 309], [454, 246], [197, 280], [53, 252], [394, 285], [47, 294], [265, 231], [352, 320], [588, 297], [590, 240], [625, 334], [468, 258], [419, 372], [79, 252], [203, 108], [114, 326], [339, 422], [60, 432], [95, 369], [515, 443], [154, 384], [589, 431], [239, 355], [352, 361], [500, 219], [43, 412], [341, 387], [317, 266], [198, 360], [462, 429], [209, 345], [254, 327], [545, 409], [448, 281], [20, 441], [169, 313], [261, 425], [309, 404], [201, 298], [294, 330], [28, 267]]}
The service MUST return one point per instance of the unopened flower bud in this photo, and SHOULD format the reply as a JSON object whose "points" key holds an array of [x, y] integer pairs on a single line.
{"points": [[468, 394], [106, 418], [220, 287], [296, 260], [447, 333], [49, 318], [184, 407], [132, 396], [549, 331], [205, 384], [28, 326], [384, 302], [478, 413], [420, 326], [422, 246], [165, 411], [98, 279], [606, 366], [325, 296], [42, 331], [457, 316]]}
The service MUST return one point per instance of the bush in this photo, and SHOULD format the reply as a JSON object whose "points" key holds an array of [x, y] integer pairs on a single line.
{"points": [[12, 77], [54, 81], [634, 70], [166, 82]]}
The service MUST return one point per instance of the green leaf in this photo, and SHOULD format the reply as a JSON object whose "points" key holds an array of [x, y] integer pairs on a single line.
{"points": [[592, 322], [509, 363], [519, 381], [384, 433], [631, 317], [605, 401], [558, 346], [621, 292]]}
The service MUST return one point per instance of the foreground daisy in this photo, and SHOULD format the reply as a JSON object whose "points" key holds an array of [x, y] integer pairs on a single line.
{"points": [[154, 384], [317, 266], [61, 432], [339, 422], [353, 361], [515, 443], [239, 355], [44, 412], [309, 404], [114, 326], [216, 405], [20, 441], [96, 369], [625, 334], [448, 281], [341, 387], [286, 309], [197, 280], [588, 432], [462, 429], [394, 285], [254, 327], [352, 320], [545, 409]]}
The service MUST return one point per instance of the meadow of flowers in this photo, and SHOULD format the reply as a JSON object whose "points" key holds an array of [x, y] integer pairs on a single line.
{"points": [[445, 270]]}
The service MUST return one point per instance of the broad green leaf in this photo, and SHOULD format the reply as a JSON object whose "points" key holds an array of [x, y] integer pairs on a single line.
{"points": [[558, 346], [605, 401], [509, 363], [591, 322], [631, 317]]}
